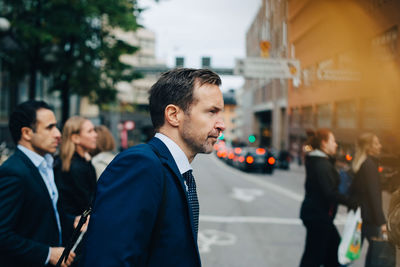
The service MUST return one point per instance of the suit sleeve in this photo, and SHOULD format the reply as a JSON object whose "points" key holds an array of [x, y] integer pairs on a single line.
{"points": [[12, 244], [126, 205]]}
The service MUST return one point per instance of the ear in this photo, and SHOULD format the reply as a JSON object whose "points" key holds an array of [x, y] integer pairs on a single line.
{"points": [[173, 115], [75, 138], [26, 133]]}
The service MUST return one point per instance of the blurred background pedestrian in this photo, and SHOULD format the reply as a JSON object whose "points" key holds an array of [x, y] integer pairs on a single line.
{"points": [[33, 227], [321, 201], [105, 149], [367, 188], [75, 174]]}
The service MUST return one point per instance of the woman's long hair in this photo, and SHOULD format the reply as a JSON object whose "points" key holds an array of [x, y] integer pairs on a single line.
{"points": [[364, 142], [72, 126]]}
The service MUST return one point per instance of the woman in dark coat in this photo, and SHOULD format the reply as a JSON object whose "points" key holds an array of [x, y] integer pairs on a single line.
{"points": [[75, 174], [367, 188], [320, 203]]}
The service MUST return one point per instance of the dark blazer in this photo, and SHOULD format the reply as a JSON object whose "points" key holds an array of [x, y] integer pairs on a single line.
{"points": [[321, 190], [28, 226], [367, 188], [141, 215], [76, 187]]}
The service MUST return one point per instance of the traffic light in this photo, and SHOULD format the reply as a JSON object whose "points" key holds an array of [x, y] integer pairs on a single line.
{"points": [[252, 138], [221, 136]]}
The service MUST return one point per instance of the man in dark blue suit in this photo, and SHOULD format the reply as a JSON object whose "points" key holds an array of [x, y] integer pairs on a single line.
{"points": [[31, 224], [146, 210]]}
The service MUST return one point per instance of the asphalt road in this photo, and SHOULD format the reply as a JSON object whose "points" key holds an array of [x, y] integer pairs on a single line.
{"points": [[251, 219]]}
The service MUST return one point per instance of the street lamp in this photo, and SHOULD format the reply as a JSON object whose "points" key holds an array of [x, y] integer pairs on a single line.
{"points": [[4, 24]]}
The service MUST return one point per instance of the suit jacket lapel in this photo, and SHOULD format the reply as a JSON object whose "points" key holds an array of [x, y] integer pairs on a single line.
{"points": [[35, 174], [168, 160]]}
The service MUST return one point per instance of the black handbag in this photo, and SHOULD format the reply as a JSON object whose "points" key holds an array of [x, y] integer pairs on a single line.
{"points": [[382, 253]]}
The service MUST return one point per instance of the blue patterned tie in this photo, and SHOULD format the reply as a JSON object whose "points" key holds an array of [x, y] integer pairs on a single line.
{"points": [[193, 201]]}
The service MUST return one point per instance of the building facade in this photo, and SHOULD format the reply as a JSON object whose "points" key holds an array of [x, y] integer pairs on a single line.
{"points": [[265, 116], [349, 54], [229, 114]]}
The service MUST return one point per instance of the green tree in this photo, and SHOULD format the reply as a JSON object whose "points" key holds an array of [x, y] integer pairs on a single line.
{"points": [[72, 42]]}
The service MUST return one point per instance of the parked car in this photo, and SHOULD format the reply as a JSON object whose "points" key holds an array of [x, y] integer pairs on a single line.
{"points": [[255, 159]]}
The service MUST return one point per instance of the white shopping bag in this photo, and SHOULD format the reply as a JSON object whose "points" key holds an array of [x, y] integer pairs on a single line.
{"points": [[350, 245]]}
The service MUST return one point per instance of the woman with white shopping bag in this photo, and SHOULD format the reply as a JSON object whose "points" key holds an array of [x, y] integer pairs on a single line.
{"points": [[320, 203], [366, 187]]}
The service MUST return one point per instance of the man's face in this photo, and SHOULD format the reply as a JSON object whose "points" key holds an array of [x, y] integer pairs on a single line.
{"points": [[203, 123], [46, 136]]}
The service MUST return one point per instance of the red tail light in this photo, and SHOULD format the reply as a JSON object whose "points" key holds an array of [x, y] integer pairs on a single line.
{"points": [[271, 160], [348, 157], [249, 159], [380, 169], [241, 159], [231, 155], [238, 150]]}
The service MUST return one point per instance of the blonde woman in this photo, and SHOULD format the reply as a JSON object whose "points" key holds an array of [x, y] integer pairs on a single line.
{"points": [[367, 186], [75, 174]]}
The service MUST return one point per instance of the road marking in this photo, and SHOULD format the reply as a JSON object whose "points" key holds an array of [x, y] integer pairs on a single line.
{"points": [[246, 194], [210, 237], [253, 179], [340, 220]]}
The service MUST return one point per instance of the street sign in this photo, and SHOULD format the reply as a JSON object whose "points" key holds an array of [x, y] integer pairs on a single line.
{"points": [[268, 68], [265, 47], [338, 75]]}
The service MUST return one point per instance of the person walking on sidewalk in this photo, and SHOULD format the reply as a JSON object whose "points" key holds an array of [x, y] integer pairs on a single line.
{"points": [[32, 225], [146, 208], [367, 188], [320, 203]]}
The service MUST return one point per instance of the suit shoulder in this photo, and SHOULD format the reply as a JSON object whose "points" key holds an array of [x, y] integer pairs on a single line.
{"points": [[143, 151], [139, 155], [12, 173], [13, 166]]}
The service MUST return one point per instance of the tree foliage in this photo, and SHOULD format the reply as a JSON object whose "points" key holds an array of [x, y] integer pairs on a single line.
{"points": [[72, 42]]}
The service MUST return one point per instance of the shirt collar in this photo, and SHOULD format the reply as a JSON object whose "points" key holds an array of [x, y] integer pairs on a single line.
{"points": [[177, 153], [36, 159]]}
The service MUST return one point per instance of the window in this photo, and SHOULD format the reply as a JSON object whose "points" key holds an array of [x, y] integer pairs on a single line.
{"points": [[4, 95], [307, 117], [384, 46], [372, 116], [295, 118], [324, 116], [346, 115]]}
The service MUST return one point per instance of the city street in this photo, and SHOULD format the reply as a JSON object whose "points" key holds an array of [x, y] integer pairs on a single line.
{"points": [[251, 219]]}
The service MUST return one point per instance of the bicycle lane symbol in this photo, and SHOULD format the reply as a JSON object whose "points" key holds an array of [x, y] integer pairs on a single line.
{"points": [[210, 237]]}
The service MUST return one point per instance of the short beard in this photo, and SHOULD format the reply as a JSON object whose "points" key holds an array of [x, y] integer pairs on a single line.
{"points": [[190, 141]]}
